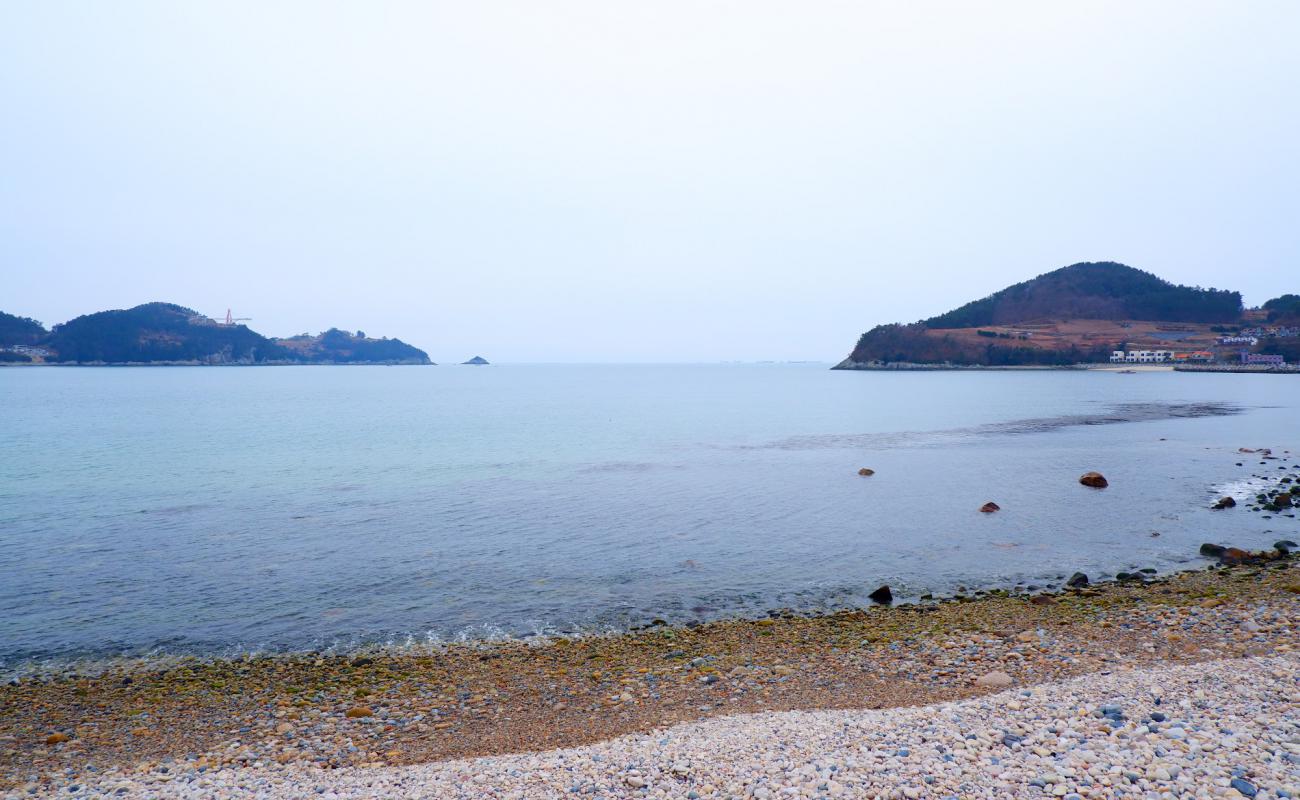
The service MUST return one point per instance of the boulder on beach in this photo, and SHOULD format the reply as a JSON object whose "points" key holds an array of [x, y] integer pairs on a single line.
{"points": [[866, 472], [1094, 479], [1212, 550], [990, 507], [882, 595], [994, 680], [1224, 502], [1077, 581]]}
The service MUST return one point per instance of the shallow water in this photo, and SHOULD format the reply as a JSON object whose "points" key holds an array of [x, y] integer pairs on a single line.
{"points": [[200, 510]]}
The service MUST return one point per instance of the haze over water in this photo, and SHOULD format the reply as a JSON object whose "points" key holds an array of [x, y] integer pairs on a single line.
{"points": [[209, 511]]}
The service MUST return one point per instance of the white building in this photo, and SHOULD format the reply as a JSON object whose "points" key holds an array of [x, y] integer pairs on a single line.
{"points": [[1141, 356]]}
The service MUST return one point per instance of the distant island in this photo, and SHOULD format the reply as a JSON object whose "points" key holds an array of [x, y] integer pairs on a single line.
{"points": [[477, 361], [165, 333], [1091, 313]]}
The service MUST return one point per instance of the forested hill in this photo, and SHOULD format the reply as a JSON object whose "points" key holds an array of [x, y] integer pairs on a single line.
{"points": [[169, 333], [1075, 314], [340, 347], [20, 330], [1100, 290]]}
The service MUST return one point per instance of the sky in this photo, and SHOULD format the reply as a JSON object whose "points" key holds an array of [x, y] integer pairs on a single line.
{"points": [[615, 181]]}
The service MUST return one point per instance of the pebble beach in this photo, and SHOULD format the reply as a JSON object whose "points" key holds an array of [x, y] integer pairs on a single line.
{"points": [[1178, 686], [1225, 729]]}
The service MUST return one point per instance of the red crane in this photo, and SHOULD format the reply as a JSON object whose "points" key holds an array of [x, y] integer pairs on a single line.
{"points": [[233, 320]]}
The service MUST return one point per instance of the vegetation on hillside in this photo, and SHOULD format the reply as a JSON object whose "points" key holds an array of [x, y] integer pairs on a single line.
{"points": [[341, 347], [1283, 309], [1102, 290], [165, 332], [20, 330], [914, 344], [158, 332]]}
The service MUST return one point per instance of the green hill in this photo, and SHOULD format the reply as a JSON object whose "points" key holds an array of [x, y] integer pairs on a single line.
{"points": [[158, 332], [20, 330], [1284, 309], [1100, 290], [167, 333], [1062, 305], [340, 347]]}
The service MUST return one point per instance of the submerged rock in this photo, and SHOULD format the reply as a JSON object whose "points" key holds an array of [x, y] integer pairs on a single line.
{"points": [[866, 472], [1094, 479], [990, 507], [1224, 502]]}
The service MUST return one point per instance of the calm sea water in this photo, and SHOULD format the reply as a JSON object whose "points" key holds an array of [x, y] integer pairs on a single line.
{"points": [[201, 510]]}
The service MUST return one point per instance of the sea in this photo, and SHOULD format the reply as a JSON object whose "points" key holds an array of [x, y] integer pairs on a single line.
{"points": [[217, 511]]}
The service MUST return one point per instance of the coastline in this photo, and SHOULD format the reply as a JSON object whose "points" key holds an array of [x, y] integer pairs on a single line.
{"points": [[173, 723], [850, 365], [1290, 369], [403, 363]]}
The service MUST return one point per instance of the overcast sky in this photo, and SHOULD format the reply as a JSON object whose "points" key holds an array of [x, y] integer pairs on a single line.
{"points": [[651, 181]]}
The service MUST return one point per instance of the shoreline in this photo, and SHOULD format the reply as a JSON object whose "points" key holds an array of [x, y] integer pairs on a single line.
{"points": [[94, 665], [848, 365], [469, 701]]}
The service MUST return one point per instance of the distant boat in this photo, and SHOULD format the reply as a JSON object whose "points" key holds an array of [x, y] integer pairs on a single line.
{"points": [[476, 361]]}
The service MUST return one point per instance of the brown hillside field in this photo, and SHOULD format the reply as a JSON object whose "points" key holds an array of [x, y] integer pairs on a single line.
{"points": [[1089, 333]]}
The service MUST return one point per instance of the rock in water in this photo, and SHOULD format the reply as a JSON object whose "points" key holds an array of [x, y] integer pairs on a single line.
{"points": [[1225, 502], [866, 472], [882, 595], [1212, 550], [1283, 500], [476, 361], [1094, 479], [994, 680], [1077, 581], [1285, 545], [1233, 556], [990, 507]]}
